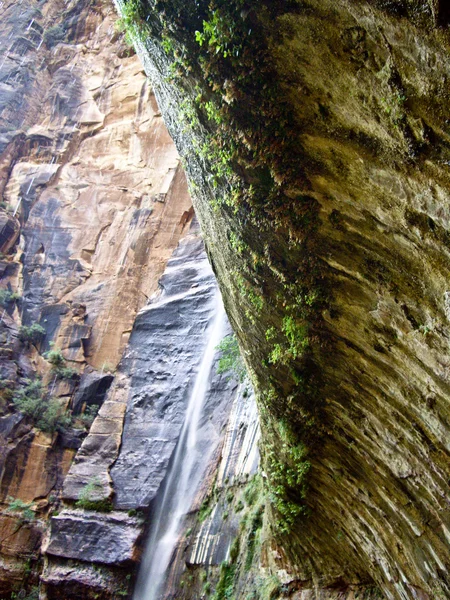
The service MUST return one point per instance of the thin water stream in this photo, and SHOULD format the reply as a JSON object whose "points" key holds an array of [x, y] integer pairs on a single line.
{"points": [[184, 476]]}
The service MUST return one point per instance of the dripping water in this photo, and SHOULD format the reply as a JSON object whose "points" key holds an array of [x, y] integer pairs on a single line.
{"points": [[184, 476]]}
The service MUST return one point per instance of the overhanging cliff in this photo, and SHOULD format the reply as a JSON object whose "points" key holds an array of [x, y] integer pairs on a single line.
{"points": [[315, 135]]}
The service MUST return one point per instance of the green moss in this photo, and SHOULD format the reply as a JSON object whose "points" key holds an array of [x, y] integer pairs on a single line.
{"points": [[224, 589], [230, 360], [87, 500], [255, 523]]}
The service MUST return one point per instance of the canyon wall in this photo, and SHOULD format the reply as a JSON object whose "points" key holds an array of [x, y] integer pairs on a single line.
{"points": [[93, 203], [315, 135], [104, 310]]}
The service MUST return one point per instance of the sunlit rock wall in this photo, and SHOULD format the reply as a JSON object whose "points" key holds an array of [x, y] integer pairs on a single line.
{"points": [[328, 228], [130, 445], [92, 203]]}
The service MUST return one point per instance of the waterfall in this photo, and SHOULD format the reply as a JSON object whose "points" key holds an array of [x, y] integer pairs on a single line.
{"points": [[184, 478]]}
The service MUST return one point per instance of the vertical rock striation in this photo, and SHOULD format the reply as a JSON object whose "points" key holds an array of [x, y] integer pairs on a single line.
{"points": [[316, 138], [93, 202]]}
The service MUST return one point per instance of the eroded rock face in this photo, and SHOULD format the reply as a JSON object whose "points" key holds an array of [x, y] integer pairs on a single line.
{"points": [[331, 249], [129, 449], [93, 202], [109, 539]]}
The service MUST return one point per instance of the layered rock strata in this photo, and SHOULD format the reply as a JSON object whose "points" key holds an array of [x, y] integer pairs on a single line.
{"points": [[93, 202], [128, 451], [316, 140]]}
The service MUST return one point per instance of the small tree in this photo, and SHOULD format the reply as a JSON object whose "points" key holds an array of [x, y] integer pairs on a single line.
{"points": [[58, 362], [32, 334], [47, 413], [55, 356]]}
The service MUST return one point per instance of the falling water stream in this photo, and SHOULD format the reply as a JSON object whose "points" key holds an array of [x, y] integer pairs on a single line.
{"points": [[184, 476]]}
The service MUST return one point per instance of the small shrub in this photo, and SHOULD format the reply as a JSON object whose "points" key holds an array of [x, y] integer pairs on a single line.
{"points": [[7, 297], [59, 368], [66, 372], [24, 508], [47, 414], [32, 334], [55, 357], [231, 360], [53, 35], [88, 416]]}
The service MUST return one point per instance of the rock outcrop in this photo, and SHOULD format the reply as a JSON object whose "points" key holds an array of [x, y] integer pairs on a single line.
{"points": [[315, 137], [93, 203], [123, 463]]}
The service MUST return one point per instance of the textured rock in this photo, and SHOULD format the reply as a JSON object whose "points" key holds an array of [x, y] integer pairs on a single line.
{"points": [[92, 390], [70, 581], [331, 251], [9, 231], [129, 463], [92, 179], [94, 537], [164, 353]]}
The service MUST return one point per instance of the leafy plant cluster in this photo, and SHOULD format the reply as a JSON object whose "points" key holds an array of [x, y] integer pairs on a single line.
{"points": [[46, 413], [7, 297], [31, 334], [15, 505], [287, 483], [132, 20], [54, 35], [231, 359], [59, 367], [87, 498]]}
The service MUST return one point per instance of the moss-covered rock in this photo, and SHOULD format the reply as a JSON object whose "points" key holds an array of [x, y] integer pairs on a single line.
{"points": [[316, 138]]}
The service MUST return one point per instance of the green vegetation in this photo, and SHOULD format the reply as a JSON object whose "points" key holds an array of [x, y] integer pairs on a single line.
{"points": [[33, 594], [7, 297], [231, 360], [239, 121], [54, 35], [287, 479], [56, 359], [255, 523], [132, 20], [224, 589], [32, 334], [88, 416], [47, 414], [55, 356], [296, 343], [87, 498], [24, 509], [205, 508]]}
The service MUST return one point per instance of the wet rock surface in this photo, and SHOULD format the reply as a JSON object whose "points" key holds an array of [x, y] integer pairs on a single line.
{"points": [[91, 536], [127, 454], [335, 271], [163, 357], [93, 202]]}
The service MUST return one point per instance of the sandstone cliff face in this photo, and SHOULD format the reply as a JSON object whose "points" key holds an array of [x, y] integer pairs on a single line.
{"points": [[93, 202], [316, 139], [126, 458]]}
